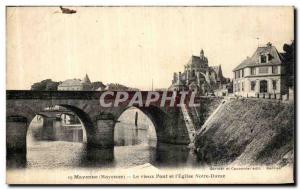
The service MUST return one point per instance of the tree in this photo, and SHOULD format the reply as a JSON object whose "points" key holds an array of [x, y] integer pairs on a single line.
{"points": [[52, 86], [289, 58], [116, 87], [96, 85], [47, 85]]}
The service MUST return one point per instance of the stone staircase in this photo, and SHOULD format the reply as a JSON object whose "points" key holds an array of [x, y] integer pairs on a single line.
{"points": [[189, 123], [194, 114]]}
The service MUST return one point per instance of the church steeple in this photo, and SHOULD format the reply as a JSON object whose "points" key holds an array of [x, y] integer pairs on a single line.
{"points": [[201, 54]]}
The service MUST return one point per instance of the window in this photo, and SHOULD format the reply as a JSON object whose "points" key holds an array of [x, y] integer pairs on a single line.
{"points": [[242, 72], [237, 74], [274, 84], [269, 57], [263, 59], [263, 70], [274, 70], [242, 86], [253, 71], [253, 83]]}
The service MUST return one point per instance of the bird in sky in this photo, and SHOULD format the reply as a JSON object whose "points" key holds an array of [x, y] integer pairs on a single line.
{"points": [[67, 11]]}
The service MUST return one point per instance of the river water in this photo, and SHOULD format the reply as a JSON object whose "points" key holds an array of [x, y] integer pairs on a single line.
{"points": [[134, 146]]}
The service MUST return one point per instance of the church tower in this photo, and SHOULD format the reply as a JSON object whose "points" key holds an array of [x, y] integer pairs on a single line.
{"points": [[203, 59], [202, 54]]}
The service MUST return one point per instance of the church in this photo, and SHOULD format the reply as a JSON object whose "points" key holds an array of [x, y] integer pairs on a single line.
{"points": [[199, 76]]}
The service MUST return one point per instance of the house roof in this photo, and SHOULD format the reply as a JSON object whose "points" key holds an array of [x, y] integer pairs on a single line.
{"points": [[71, 82], [276, 57]]}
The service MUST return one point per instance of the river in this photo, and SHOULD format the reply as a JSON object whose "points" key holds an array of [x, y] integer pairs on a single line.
{"points": [[133, 147]]}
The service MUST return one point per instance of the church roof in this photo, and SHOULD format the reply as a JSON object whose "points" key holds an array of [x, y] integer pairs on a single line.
{"points": [[276, 57], [196, 60]]}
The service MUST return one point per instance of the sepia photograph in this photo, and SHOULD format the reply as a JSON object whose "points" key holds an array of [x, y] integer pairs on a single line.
{"points": [[150, 95]]}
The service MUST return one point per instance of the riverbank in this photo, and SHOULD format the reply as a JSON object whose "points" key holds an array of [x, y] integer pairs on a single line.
{"points": [[248, 131]]}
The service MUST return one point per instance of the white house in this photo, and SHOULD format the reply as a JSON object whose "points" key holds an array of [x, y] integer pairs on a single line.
{"points": [[261, 75], [76, 84]]}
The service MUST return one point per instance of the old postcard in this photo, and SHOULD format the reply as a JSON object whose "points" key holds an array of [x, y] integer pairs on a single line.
{"points": [[150, 95]]}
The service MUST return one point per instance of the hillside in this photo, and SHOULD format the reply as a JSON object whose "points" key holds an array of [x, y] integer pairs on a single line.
{"points": [[207, 106], [248, 131]]}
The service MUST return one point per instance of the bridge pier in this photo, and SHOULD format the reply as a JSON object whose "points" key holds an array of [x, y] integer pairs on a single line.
{"points": [[99, 157], [16, 130], [102, 135], [48, 130], [174, 129]]}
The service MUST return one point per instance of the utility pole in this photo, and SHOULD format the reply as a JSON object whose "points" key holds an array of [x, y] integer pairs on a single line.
{"points": [[257, 41], [136, 119], [152, 84]]}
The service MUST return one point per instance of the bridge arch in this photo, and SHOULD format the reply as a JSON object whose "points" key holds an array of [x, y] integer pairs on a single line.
{"points": [[19, 117], [88, 125], [155, 114]]}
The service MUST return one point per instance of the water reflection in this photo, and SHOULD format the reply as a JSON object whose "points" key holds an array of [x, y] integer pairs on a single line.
{"points": [[55, 154], [16, 160], [126, 134], [174, 156], [72, 155]]}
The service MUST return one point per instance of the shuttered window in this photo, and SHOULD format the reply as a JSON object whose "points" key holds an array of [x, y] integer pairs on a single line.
{"points": [[274, 69]]}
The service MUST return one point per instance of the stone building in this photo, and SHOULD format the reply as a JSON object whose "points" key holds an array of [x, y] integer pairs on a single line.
{"points": [[262, 74], [76, 84], [199, 76]]}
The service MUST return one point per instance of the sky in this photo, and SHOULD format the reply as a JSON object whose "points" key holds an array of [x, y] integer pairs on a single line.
{"points": [[134, 45]]}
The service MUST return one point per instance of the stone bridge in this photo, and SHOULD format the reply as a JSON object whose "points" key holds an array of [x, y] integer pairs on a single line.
{"points": [[99, 121]]}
